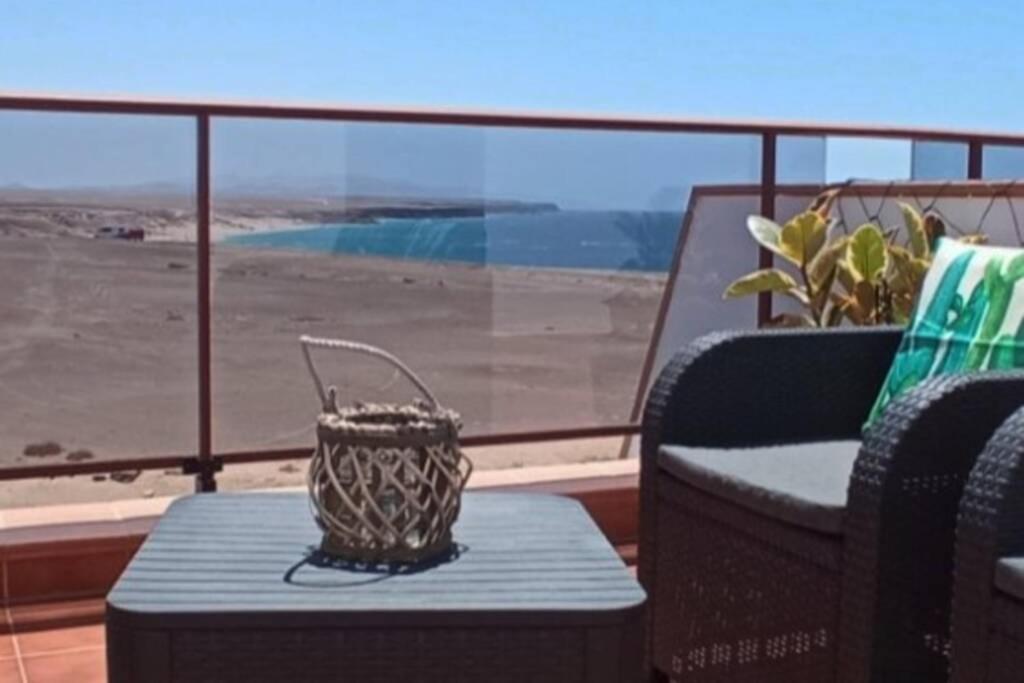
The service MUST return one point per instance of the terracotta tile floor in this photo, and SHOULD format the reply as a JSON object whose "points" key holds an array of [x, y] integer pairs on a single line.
{"points": [[53, 643]]}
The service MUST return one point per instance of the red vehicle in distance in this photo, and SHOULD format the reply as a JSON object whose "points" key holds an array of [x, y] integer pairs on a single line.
{"points": [[115, 233]]}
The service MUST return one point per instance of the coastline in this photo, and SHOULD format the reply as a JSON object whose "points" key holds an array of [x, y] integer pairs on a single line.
{"points": [[266, 223], [171, 217]]}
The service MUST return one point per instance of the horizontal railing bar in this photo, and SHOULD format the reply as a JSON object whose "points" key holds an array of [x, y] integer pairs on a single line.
{"points": [[511, 438], [472, 441], [467, 117], [67, 469], [70, 469], [946, 189]]}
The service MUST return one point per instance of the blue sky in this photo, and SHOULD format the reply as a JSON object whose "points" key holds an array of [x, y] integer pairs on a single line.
{"points": [[934, 62]]}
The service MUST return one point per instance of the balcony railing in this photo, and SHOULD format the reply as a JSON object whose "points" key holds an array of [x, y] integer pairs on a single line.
{"points": [[207, 459]]}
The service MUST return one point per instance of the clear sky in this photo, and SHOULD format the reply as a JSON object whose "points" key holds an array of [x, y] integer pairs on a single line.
{"points": [[928, 62]]}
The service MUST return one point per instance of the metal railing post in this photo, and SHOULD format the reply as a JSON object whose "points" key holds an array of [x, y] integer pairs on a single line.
{"points": [[975, 159], [204, 467], [768, 181]]}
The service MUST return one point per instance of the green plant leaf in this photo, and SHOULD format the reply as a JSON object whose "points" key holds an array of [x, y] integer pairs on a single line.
{"points": [[823, 289], [919, 244], [823, 203], [799, 294], [906, 272], [901, 313], [802, 237], [867, 300], [852, 310], [824, 263], [900, 277], [866, 254], [767, 280], [766, 232], [846, 277], [833, 314]]}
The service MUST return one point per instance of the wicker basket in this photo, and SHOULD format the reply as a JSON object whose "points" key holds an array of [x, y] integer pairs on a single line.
{"points": [[385, 480]]}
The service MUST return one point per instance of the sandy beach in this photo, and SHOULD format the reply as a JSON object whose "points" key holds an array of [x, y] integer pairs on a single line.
{"points": [[98, 344]]}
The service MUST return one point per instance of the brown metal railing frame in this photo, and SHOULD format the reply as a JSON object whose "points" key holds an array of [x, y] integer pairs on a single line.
{"points": [[205, 462]]}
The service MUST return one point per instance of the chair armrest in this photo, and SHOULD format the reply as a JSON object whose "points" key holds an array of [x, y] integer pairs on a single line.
{"points": [[902, 508], [990, 526]]}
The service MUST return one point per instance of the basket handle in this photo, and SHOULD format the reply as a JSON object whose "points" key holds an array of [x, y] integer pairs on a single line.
{"points": [[327, 397]]}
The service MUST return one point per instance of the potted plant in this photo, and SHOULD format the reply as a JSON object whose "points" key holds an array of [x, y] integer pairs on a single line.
{"points": [[870, 276]]}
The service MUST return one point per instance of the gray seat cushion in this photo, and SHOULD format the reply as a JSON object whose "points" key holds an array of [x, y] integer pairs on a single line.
{"points": [[1010, 576], [802, 484]]}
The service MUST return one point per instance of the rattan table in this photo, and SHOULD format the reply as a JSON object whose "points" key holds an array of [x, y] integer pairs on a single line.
{"points": [[229, 587]]}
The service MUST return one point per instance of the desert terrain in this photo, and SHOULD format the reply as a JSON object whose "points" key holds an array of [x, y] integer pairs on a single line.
{"points": [[98, 341]]}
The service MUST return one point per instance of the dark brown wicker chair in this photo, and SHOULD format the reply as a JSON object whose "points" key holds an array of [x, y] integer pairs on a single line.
{"points": [[988, 592], [775, 543]]}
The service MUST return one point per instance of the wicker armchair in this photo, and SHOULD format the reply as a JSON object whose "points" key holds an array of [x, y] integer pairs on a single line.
{"points": [[988, 591], [775, 544]]}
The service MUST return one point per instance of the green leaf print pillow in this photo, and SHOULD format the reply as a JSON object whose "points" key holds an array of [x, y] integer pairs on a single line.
{"points": [[969, 317]]}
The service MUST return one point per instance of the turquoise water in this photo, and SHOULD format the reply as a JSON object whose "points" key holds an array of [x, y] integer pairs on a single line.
{"points": [[604, 240]]}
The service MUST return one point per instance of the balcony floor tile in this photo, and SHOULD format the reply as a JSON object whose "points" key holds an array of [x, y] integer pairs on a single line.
{"points": [[10, 672], [89, 666]]}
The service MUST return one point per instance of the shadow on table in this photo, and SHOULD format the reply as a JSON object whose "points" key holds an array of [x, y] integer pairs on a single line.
{"points": [[362, 573]]}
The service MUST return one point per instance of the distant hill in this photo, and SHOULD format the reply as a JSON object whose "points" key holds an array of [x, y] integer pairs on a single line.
{"points": [[279, 186], [342, 185]]}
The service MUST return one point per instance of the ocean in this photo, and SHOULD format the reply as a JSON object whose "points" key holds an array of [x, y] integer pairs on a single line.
{"points": [[599, 240]]}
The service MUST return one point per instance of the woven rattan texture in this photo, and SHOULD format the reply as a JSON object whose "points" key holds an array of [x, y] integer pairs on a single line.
{"points": [[901, 519], [736, 389], [386, 482], [758, 388], [988, 627], [741, 597]]}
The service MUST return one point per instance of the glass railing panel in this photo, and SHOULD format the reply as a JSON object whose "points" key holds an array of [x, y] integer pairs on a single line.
{"points": [[851, 159], [800, 159], [1003, 162], [932, 160], [519, 272], [97, 288]]}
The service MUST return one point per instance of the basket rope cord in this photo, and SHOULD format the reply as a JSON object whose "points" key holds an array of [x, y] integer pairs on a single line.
{"points": [[385, 480], [357, 347]]}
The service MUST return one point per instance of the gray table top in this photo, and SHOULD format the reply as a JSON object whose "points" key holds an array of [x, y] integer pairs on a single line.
{"points": [[216, 558]]}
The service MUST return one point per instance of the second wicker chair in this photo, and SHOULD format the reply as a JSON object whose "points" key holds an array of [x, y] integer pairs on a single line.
{"points": [[988, 602]]}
